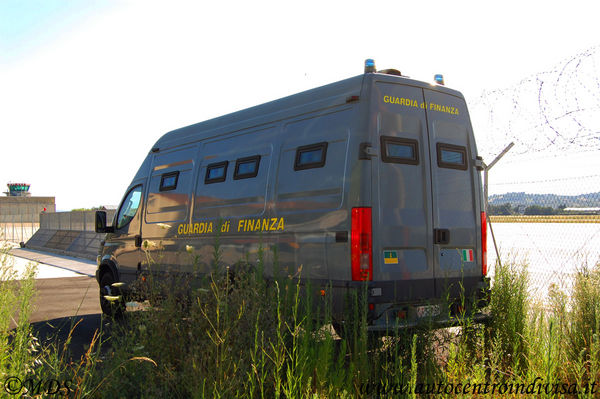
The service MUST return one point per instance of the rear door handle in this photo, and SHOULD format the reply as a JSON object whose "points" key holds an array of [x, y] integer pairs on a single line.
{"points": [[138, 241], [441, 236]]}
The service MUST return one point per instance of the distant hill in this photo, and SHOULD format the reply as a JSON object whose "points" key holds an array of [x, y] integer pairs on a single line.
{"points": [[552, 200]]}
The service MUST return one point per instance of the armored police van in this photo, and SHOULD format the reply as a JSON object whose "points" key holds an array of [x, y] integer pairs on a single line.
{"points": [[370, 180]]}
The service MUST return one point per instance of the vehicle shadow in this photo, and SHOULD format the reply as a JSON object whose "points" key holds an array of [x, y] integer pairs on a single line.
{"points": [[78, 331]]}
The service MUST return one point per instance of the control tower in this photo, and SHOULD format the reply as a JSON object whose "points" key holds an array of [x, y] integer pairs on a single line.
{"points": [[18, 190]]}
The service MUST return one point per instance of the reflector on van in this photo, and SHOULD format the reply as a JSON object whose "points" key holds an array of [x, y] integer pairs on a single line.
{"points": [[361, 244]]}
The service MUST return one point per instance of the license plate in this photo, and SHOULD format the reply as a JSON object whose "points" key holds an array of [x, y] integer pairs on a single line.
{"points": [[428, 311]]}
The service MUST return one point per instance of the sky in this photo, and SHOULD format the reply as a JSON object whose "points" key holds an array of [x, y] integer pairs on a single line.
{"points": [[87, 87]]}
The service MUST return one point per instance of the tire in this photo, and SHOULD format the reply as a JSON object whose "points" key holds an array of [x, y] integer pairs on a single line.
{"points": [[112, 309]]}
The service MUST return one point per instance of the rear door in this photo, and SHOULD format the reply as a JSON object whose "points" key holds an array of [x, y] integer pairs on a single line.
{"points": [[402, 198], [424, 204], [455, 216]]}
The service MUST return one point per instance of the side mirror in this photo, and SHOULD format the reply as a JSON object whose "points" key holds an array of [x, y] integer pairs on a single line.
{"points": [[101, 226]]}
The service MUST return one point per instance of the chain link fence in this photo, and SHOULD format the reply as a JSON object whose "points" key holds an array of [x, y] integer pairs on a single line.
{"points": [[544, 195], [554, 236]]}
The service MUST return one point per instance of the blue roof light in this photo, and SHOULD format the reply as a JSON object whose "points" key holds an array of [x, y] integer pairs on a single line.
{"points": [[439, 79], [369, 65]]}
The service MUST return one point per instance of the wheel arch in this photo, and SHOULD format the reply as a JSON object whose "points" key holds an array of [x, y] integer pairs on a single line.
{"points": [[108, 266]]}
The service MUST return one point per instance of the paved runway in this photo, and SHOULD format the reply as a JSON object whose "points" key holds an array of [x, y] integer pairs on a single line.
{"points": [[67, 294], [64, 303], [63, 297], [68, 263]]}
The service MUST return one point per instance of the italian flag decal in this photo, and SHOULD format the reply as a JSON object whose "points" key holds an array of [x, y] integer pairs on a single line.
{"points": [[467, 255]]}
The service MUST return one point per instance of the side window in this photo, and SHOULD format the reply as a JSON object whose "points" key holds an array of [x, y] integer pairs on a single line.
{"points": [[310, 156], [246, 167], [399, 150], [451, 156], [216, 172], [129, 207], [168, 181]]}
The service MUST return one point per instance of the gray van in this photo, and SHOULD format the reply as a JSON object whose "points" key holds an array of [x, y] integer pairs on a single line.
{"points": [[370, 180]]}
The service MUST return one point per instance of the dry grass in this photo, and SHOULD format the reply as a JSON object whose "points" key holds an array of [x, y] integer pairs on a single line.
{"points": [[545, 218]]}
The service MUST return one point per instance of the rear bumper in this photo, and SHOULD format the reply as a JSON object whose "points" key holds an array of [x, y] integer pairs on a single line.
{"points": [[392, 305]]}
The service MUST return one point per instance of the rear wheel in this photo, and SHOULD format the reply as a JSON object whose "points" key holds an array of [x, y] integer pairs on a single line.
{"points": [[110, 307]]}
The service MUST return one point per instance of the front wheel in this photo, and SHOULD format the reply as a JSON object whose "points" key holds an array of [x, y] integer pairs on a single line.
{"points": [[113, 306]]}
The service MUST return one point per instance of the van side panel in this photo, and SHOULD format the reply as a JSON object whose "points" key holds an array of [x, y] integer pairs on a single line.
{"points": [[169, 194], [170, 203], [311, 199], [235, 198], [226, 213]]}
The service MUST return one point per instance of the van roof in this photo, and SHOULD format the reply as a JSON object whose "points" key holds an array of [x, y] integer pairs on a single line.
{"points": [[330, 95]]}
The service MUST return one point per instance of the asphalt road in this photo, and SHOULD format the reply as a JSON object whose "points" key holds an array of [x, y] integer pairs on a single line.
{"points": [[66, 303], [66, 300], [63, 297]]}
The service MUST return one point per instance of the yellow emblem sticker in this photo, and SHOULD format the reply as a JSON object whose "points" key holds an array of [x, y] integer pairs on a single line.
{"points": [[243, 225], [390, 257]]}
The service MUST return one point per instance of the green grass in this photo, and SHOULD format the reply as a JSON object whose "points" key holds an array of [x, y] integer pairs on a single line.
{"points": [[17, 345], [43, 369], [237, 335]]}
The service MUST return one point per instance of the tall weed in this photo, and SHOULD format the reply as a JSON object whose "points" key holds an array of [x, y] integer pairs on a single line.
{"points": [[509, 306], [18, 346]]}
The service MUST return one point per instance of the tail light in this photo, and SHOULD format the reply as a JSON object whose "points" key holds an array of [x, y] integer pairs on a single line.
{"points": [[361, 243], [483, 243]]}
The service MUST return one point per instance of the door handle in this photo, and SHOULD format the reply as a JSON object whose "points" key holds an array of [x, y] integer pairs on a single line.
{"points": [[441, 236], [138, 241]]}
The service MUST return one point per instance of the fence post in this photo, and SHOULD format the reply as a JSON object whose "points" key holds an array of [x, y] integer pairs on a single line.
{"points": [[485, 193]]}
